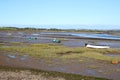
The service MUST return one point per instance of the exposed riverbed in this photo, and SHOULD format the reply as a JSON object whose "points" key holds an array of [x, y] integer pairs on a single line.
{"points": [[83, 66]]}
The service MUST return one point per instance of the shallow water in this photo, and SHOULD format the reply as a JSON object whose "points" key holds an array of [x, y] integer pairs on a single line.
{"points": [[88, 35], [91, 72], [11, 56], [24, 57], [102, 36]]}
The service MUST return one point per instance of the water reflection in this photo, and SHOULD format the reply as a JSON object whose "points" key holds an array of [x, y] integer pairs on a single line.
{"points": [[103, 36], [88, 35], [92, 72], [11, 56], [24, 57]]}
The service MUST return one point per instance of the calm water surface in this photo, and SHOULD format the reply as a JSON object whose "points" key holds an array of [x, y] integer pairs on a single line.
{"points": [[88, 35]]}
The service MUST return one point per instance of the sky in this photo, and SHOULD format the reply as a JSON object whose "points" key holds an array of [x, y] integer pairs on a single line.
{"points": [[60, 12]]}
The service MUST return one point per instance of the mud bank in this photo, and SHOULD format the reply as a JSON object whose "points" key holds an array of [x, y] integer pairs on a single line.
{"points": [[83, 66]]}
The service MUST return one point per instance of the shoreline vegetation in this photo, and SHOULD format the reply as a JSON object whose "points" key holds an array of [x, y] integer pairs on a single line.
{"points": [[53, 51], [55, 29]]}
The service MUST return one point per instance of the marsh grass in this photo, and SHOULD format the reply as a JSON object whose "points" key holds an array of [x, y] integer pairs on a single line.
{"points": [[16, 43], [93, 67], [56, 50], [100, 56]]}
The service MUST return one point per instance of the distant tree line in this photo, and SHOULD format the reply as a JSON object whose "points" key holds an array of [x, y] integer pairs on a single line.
{"points": [[55, 29]]}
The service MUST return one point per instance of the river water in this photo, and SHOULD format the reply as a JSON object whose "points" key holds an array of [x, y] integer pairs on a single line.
{"points": [[87, 35], [102, 36], [43, 37]]}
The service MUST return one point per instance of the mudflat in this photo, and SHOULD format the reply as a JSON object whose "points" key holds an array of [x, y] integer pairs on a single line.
{"points": [[83, 66]]}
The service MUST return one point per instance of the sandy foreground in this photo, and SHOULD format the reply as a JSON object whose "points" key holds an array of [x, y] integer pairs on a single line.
{"points": [[24, 75]]}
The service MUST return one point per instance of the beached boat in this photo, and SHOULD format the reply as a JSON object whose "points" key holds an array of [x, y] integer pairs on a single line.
{"points": [[56, 40], [96, 46]]}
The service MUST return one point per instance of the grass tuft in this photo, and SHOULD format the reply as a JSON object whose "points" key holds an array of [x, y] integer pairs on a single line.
{"points": [[54, 51]]}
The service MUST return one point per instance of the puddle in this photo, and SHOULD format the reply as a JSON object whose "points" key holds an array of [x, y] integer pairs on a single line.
{"points": [[35, 34], [92, 72], [11, 56], [25, 57]]}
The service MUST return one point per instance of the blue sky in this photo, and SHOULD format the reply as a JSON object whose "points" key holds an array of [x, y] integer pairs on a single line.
{"points": [[48, 12]]}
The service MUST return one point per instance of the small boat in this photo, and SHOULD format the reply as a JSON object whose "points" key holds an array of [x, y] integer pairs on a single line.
{"points": [[56, 40], [96, 46]]}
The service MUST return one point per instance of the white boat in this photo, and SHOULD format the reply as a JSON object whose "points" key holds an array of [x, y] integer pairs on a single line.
{"points": [[96, 46]]}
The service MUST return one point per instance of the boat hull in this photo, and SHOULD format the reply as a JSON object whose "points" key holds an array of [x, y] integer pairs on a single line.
{"points": [[96, 46]]}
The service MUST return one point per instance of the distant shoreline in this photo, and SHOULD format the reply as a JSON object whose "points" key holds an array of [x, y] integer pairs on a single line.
{"points": [[57, 29], [54, 30], [65, 26]]}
